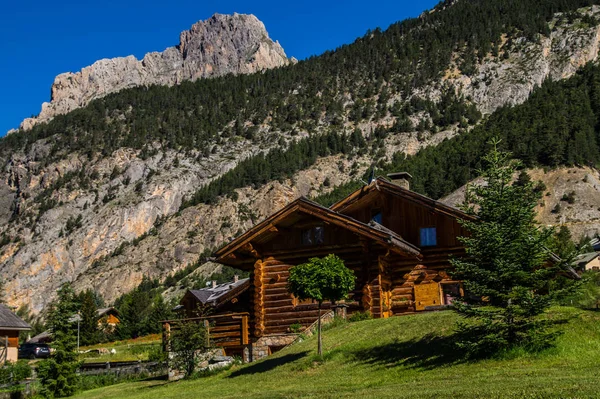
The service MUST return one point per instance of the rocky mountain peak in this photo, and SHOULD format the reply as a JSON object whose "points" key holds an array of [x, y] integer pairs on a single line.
{"points": [[220, 45]]}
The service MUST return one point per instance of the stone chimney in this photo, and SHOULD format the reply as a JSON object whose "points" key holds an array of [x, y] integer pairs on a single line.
{"points": [[236, 278], [401, 179], [214, 284]]}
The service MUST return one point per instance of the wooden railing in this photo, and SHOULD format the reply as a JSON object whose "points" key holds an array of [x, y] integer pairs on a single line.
{"points": [[223, 330]]}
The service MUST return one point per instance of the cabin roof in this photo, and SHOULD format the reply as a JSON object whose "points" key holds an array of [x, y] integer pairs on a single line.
{"points": [[221, 293], [104, 311], [44, 336], [268, 228], [10, 321], [384, 186]]}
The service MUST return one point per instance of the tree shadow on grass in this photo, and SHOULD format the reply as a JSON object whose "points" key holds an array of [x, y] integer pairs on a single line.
{"points": [[267, 364], [428, 352]]}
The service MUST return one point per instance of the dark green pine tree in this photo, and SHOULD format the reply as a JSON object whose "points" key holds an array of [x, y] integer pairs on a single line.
{"points": [[507, 268], [89, 332], [58, 374]]}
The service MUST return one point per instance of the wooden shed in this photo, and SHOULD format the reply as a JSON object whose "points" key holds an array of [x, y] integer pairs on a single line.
{"points": [[10, 327]]}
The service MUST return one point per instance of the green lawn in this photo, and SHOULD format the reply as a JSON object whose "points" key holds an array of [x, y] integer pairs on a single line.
{"points": [[126, 350], [399, 358]]}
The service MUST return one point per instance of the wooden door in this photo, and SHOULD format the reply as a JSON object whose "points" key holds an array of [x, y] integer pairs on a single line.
{"points": [[426, 294], [386, 303], [385, 292]]}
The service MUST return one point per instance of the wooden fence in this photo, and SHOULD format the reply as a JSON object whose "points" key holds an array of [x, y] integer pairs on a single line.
{"points": [[224, 331]]}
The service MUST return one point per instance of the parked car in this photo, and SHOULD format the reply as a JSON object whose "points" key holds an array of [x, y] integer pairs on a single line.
{"points": [[34, 351]]}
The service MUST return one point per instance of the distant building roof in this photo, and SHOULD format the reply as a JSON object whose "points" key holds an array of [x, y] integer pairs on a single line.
{"points": [[10, 321], [99, 312], [215, 295], [582, 260], [42, 337]]}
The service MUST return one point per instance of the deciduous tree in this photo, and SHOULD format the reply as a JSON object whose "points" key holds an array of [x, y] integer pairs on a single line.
{"points": [[321, 279]]}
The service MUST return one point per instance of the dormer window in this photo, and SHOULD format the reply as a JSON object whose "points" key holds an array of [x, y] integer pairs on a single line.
{"points": [[428, 236], [313, 236]]}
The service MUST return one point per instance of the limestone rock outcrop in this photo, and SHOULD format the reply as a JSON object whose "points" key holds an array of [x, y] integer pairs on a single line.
{"points": [[220, 45]]}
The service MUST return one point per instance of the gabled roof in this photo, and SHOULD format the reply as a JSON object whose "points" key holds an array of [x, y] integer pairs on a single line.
{"points": [[385, 237], [221, 293], [10, 321], [382, 185]]}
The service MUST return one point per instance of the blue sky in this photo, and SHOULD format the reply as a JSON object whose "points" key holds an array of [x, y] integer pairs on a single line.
{"points": [[41, 39]]}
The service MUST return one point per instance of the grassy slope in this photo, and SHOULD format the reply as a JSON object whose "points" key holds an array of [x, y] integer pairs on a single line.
{"points": [[398, 357], [127, 350]]}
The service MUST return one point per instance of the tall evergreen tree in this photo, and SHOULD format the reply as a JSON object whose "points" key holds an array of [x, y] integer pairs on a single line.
{"points": [[507, 266], [58, 373], [88, 313]]}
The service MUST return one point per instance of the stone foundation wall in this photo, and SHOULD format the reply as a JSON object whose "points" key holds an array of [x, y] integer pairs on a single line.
{"points": [[204, 362], [260, 347]]}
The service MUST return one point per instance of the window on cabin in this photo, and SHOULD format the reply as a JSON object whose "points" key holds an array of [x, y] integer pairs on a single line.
{"points": [[428, 236], [313, 236], [376, 216]]}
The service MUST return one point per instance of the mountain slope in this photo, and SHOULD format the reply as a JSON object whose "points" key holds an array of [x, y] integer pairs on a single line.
{"points": [[95, 196]]}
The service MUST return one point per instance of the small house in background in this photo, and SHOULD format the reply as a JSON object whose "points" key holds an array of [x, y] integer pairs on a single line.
{"points": [[224, 298], [10, 327], [586, 262], [108, 319]]}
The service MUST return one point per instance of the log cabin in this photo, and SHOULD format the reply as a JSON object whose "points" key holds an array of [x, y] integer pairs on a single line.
{"points": [[397, 242], [10, 327]]}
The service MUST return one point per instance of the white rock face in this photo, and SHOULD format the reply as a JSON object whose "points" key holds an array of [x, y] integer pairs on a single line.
{"points": [[503, 81], [220, 45]]}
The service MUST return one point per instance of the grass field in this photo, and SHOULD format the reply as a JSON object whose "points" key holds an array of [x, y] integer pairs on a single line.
{"points": [[127, 350], [401, 357]]}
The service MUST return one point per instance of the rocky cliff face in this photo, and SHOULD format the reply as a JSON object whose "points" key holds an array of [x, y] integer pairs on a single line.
{"points": [[509, 77], [220, 45], [571, 198]]}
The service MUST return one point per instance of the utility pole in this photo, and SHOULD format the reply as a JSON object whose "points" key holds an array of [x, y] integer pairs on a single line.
{"points": [[78, 321]]}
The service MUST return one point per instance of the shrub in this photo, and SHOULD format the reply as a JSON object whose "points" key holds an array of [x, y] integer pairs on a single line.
{"points": [[359, 316], [186, 341]]}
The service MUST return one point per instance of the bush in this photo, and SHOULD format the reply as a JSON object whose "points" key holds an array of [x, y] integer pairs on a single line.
{"points": [[186, 341], [15, 372], [359, 316], [156, 354]]}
